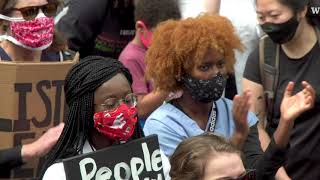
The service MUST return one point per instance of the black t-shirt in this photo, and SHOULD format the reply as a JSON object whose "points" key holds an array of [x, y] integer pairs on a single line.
{"points": [[118, 30], [98, 27], [304, 155]]}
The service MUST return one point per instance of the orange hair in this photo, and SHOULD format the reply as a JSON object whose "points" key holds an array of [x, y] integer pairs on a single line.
{"points": [[177, 46]]}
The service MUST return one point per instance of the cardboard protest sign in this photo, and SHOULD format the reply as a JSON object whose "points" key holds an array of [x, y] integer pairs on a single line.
{"points": [[31, 101], [139, 159]]}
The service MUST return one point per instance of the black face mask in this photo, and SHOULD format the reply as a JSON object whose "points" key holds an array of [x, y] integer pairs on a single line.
{"points": [[205, 90], [281, 33]]}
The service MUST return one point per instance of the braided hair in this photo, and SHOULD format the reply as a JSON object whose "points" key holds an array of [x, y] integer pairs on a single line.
{"points": [[80, 85]]}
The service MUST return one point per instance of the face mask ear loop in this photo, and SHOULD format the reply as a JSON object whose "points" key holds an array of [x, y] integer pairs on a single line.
{"points": [[11, 19]]}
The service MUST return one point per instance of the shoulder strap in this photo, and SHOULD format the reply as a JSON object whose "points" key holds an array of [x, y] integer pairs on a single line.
{"points": [[269, 71], [318, 34]]}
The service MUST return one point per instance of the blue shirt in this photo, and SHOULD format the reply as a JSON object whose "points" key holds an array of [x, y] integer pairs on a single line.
{"points": [[173, 126]]}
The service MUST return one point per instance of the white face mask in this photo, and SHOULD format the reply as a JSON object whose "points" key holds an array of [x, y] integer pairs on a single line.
{"points": [[35, 35]]}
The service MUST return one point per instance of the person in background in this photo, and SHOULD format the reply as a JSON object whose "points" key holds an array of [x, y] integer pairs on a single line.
{"points": [[97, 91], [27, 34], [194, 55], [243, 17], [98, 27], [17, 156], [288, 25], [207, 157], [148, 14], [190, 8], [28, 31]]}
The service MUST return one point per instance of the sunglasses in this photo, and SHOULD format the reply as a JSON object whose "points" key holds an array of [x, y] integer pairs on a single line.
{"points": [[31, 12]]}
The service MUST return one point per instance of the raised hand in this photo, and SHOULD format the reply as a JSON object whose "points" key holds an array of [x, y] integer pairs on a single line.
{"points": [[43, 145], [293, 106], [241, 106]]}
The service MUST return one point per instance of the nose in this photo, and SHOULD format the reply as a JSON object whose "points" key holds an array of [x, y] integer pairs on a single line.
{"points": [[215, 70], [268, 19]]}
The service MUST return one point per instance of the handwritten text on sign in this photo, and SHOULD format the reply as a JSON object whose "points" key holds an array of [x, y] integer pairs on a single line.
{"points": [[136, 160]]}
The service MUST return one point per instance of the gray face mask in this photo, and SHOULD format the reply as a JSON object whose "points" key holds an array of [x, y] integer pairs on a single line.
{"points": [[205, 90]]}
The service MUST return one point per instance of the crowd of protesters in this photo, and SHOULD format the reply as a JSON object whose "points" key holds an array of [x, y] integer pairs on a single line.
{"points": [[229, 87]]}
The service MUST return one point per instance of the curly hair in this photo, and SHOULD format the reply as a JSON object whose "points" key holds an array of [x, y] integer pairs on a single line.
{"points": [[189, 160], [151, 12], [177, 46]]}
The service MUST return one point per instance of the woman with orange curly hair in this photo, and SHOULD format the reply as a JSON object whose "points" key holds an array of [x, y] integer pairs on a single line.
{"points": [[193, 55]]}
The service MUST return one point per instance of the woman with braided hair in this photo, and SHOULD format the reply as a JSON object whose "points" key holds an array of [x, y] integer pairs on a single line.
{"points": [[93, 87]]}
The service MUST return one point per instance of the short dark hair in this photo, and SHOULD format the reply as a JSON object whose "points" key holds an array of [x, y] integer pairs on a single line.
{"points": [[299, 5], [295, 5], [152, 12]]}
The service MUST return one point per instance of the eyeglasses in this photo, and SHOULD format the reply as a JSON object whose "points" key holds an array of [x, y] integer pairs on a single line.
{"points": [[31, 12], [112, 104], [250, 174]]}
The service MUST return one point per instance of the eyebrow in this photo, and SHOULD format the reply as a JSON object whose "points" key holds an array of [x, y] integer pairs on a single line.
{"points": [[268, 12], [230, 178], [114, 96], [210, 62]]}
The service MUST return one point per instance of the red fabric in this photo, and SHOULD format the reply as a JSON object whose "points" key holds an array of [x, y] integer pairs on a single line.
{"points": [[35, 33], [117, 125]]}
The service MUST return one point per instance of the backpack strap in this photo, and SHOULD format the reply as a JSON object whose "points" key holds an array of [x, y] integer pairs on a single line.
{"points": [[318, 35], [269, 71]]}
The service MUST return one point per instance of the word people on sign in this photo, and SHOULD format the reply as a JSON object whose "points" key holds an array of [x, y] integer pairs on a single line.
{"points": [[136, 160]]}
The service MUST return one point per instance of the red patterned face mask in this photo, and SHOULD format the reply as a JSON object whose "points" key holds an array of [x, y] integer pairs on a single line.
{"points": [[117, 125], [36, 34]]}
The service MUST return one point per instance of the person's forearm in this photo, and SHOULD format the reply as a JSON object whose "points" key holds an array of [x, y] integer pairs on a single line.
{"points": [[281, 137], [282, 174], [237, 140], [265, 141], [150, 102], [283, 133], [27, 152]]}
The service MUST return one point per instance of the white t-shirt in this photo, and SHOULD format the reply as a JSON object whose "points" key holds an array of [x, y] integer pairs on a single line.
{"points": [[243, 17], [56, 171]]}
